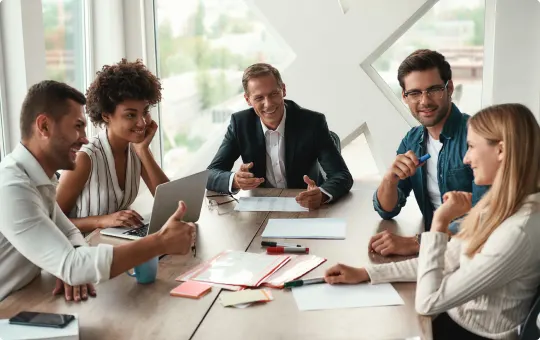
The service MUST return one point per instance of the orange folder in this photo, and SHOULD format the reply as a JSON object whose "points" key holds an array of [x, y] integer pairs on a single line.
{"points": [[191, 289]]}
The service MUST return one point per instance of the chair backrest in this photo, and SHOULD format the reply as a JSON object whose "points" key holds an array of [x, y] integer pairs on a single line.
{"points": [[336, 140], [531, 327]]}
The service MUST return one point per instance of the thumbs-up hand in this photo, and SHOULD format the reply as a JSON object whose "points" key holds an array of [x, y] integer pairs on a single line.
{"points": [[313, 197], [176, 235]]}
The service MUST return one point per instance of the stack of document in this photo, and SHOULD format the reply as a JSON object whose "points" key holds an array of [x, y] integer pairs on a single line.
{"points": [[236, 268], [298, 266]]}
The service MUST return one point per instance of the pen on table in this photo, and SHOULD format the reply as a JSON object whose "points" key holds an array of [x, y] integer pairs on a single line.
{"points": [[282, 250], [278, 244], [298, 283]]}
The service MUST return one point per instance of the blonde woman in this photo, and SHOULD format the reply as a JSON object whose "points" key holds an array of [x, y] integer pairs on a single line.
{"points": [[481, 284]]}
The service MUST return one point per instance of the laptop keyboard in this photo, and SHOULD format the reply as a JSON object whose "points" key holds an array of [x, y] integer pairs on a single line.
{"points": [[141, 232]]}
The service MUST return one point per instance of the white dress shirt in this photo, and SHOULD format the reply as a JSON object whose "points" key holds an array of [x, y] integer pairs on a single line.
{"points": [[275, 153], [275, 157], [35, 234]]}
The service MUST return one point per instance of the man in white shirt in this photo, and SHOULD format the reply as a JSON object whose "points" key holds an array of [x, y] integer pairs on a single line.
{"points": [[281, 145], [34, 233]]}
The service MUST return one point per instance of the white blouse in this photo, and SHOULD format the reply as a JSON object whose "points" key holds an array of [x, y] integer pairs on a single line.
{"points": [[490, 294], [102, 194]]}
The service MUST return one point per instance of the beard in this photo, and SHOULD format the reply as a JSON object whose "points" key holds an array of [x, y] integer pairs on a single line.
{"points": [[60, 152], [440, 114], [64, 161]]}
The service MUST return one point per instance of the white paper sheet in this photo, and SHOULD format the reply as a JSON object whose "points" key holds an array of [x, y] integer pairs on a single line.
{"points": [[318, 228], [287, 204], [325, 296]]}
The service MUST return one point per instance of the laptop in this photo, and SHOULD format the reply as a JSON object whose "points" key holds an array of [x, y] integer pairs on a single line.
{"points": [[188, 189]]}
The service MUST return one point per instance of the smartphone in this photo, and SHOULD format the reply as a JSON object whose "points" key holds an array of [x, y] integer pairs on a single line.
{"points": [[42, 319]]}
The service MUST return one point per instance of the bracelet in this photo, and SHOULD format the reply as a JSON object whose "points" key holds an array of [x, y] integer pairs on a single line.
{"points": [[418, 238]]}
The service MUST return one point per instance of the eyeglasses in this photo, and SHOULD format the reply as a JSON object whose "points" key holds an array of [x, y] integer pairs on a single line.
{"points": [[213, 204], [434, 92]]}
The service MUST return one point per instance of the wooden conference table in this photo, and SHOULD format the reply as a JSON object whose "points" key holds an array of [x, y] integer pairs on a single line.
{"points": [[124, 309]]}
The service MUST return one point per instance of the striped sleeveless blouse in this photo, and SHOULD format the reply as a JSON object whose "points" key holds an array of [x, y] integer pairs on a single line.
{"points": [[102, 194]]}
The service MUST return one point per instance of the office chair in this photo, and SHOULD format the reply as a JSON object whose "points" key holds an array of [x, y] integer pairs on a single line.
{"points": [[317, 171], [531, 328]]}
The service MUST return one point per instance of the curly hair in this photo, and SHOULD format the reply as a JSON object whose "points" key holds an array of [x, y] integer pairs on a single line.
{"points": [[117, 83]]}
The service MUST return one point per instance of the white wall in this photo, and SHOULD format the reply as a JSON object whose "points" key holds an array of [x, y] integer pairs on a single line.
{"points": [[326, 75], [330, 46], [513, 67]]}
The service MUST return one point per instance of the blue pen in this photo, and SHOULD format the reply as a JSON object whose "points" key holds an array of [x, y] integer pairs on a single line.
{"points": [[420, 160], [424, 158]]}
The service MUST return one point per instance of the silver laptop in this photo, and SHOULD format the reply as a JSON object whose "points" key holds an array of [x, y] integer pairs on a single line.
{"points": [[188, 189]]}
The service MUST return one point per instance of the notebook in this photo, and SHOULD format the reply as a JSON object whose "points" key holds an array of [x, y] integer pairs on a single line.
{"points": [[191, 289]]}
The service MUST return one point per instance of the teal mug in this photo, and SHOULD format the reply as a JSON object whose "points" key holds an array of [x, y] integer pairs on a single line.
{"points": [[146, 272]]}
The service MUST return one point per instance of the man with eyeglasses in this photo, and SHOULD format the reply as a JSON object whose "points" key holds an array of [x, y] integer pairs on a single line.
{"points": [[426, 81]]}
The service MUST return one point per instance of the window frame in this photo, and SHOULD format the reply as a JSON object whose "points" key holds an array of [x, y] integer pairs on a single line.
{"points": [[88, 57], [4, 137], [368, 64]]}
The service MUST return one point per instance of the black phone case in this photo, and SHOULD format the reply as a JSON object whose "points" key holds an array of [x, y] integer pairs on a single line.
{"points": [[68, 320]]}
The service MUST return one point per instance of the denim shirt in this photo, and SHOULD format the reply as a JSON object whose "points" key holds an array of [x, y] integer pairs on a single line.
{"points": [[453, 174]]}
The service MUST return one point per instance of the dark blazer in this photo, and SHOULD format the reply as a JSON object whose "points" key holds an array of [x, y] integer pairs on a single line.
{"points": [[307, 140]]}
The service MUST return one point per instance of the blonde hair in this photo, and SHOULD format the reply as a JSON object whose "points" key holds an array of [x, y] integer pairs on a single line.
{"points": [[517, 177]]}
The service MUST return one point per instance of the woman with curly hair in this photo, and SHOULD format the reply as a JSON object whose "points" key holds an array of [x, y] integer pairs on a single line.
{"points": [[105, 182]]}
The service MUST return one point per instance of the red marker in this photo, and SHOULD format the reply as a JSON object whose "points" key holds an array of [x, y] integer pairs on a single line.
{"points": [[282, 250]]}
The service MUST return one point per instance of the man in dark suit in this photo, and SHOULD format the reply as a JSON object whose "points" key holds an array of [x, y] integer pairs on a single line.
{"points": [[280, 144]]}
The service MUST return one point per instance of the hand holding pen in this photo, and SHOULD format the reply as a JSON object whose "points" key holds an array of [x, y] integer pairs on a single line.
{"points": [[405, 165]]}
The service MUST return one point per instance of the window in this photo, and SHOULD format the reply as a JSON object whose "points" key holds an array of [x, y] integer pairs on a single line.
{"points": [[65, 54], [3, 136], [359, 158], [454, 28], [203, 47], [2, 149]]}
